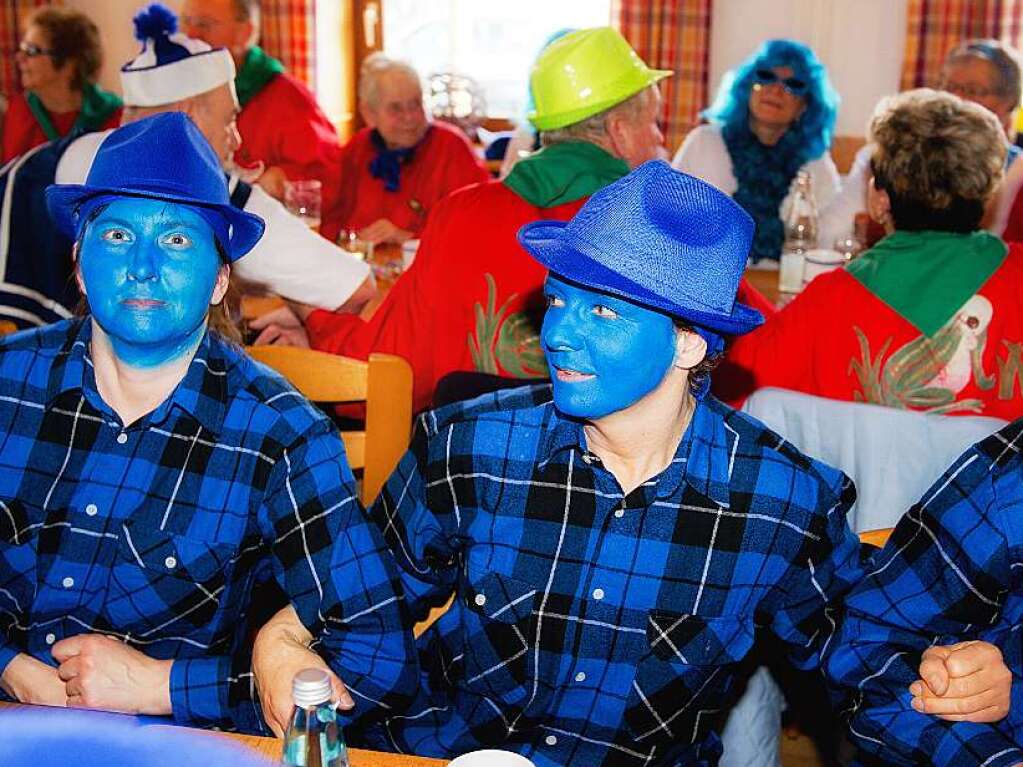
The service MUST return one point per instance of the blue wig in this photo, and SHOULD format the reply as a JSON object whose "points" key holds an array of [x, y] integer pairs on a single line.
{"points": [[808, 137]]}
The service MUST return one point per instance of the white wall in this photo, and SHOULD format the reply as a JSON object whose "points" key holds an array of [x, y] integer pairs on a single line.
{"points": [[859, 41]]}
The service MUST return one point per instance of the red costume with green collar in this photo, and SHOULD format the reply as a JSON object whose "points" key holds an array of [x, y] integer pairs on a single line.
{"points": [[473, 298], [28, 124], [441, 163], [929, 321], [282, 126]]}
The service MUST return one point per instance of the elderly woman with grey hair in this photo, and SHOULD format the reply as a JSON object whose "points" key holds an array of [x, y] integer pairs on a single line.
{"points": [[399, 166]]}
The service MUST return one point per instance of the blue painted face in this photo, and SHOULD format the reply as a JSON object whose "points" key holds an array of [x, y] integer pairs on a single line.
{"points": [[149, 269], [604, 353]]}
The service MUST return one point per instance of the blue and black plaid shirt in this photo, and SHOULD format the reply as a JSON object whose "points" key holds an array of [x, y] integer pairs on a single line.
{"points": [[590, 628], [951, 571], [155, 532]]}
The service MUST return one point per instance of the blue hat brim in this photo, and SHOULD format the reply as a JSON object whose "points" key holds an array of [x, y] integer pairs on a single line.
{"points": [[63, 201], [542, 239]]}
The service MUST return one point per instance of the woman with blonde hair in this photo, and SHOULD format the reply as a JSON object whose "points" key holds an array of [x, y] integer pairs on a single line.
{"points": [[58, 59], [930, 318]]}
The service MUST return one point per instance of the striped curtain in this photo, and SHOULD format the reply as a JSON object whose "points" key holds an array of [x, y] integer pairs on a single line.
{"points": [[288, 32], [934, 27], [671, 34], [12, 14]]}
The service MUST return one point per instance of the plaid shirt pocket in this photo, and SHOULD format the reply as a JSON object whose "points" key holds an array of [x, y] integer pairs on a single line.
{"points": [[499, 627], [678, 681], [164, 580]]}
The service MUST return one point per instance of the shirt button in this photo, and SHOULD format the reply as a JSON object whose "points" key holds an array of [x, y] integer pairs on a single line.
{"points": [[581, 676], [171, 563], [122, 438], [480, 600], [68, 582], [550, 740], [51, 638], [91, 510], [598, 593]]}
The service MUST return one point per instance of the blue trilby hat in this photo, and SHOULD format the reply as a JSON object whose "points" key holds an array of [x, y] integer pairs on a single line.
{"points": [[163, 157], [659, 238]]}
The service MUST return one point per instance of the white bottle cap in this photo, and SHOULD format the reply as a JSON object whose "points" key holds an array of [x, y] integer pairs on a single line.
{"points": [[310, 687]]}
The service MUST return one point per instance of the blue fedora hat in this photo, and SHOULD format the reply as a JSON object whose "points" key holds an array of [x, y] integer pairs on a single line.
{"points": [[660, 238], [163, 157]]}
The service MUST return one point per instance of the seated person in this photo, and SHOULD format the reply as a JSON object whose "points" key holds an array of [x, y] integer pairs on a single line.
{"points": [[172, 73], [948, 575], [773, 117], [284, 133], [395, 170], [149, 470], [929, 319], [58, 59], [611, 540], [986, 72]]}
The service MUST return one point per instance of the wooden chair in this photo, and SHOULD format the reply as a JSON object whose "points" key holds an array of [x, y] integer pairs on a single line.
{"points": [[876, 537], [384, 383], [7, 327], [844, 149]]}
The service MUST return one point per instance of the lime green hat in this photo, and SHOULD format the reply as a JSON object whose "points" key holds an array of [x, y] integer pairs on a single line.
{"points": [[583, 73]]}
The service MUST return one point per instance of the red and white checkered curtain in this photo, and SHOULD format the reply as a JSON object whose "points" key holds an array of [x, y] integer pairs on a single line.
{"points": [[671, 34], [12, 14], [934, 27], [288, 32]]}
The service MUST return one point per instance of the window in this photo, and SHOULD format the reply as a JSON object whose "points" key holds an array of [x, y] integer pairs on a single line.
{"points": [[493, 42]]}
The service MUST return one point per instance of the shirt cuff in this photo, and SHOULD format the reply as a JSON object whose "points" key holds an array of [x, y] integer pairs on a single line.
{"points": [[976, 744], [7, 653], [199, 691]]}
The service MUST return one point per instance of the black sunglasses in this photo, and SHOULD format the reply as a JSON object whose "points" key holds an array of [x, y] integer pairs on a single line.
{"points": [[32, 50], [794, 85]]}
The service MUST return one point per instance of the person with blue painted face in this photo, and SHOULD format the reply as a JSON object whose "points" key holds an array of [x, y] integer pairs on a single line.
{"points": [[150, 472]]}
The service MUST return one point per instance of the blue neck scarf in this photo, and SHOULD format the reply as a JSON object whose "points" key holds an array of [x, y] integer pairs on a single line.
{"points": [[387, 164], [764, 174]]}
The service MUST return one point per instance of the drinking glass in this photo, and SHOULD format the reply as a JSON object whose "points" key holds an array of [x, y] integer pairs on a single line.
{"points": [[303, 198]]}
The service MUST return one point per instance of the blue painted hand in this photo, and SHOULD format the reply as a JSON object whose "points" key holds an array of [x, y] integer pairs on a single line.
{"points": [[605, 353], [150, 270]]}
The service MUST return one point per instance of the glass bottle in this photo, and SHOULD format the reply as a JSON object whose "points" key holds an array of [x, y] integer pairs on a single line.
{"points": [[313, 738], [800, 234]]}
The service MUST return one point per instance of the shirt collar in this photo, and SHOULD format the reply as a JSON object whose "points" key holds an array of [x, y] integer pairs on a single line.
{"points": [[201, 394], [704, 458]]}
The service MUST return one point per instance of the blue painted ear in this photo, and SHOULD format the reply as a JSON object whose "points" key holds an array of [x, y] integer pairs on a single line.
{"points": [[154, 22]]}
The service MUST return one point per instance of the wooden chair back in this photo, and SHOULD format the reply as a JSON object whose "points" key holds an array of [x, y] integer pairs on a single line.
{"points": [[877, 537], [384, 383], [844, 149]]}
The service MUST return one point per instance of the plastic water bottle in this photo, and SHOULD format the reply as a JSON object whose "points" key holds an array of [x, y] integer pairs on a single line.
{"points": [[314, 738], [800, 234]]}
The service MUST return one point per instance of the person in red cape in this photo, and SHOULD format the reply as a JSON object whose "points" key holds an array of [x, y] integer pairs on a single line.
{"points": [[281, 125], [472, 298], [394, 171], [58, 59], [929, 319]]}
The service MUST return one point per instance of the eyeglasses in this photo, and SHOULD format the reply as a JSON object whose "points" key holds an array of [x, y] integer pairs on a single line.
{"points": [[794, 85], [968, 91], [32, 50]]}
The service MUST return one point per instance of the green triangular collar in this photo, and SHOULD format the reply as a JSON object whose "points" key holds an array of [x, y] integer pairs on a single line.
{"points": [[927, 276], [259, 69], [565, 172], [97, 106]]}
